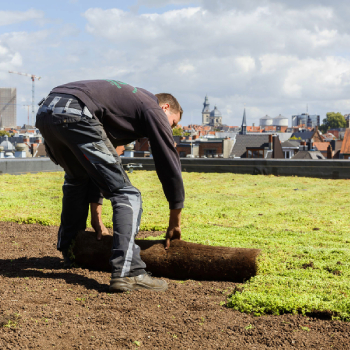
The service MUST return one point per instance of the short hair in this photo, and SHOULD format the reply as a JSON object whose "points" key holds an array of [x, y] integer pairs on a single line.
{"points": [[171, 100]]}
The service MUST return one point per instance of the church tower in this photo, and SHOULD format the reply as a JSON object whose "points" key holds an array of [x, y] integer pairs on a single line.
{"points": [[215, 117], [205, 111], [244, 125]]}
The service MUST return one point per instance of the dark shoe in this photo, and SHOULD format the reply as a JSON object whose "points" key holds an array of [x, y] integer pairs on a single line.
{"points": [[145, 281], [67, 262]]}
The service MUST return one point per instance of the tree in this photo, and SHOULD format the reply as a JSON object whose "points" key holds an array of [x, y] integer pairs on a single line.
{"points": [[3, 133], [177, 132], [333, 121]]}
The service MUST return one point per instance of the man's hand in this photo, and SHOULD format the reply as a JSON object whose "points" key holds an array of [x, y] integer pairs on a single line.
{"points": [[174, 229], [96, 220]]}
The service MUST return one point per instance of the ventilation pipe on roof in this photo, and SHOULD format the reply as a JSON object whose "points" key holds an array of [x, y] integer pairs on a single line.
{"points": [[270, 141], [333, 145]]}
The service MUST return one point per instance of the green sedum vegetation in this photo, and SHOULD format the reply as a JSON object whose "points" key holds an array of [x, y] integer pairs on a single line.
{"points": [[300, 224]]}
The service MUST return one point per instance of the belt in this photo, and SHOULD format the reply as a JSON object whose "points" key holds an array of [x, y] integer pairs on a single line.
{"points": [[64, 110]]}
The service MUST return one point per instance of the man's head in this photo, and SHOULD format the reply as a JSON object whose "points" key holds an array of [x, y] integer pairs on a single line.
{"points": [[171, 108]]}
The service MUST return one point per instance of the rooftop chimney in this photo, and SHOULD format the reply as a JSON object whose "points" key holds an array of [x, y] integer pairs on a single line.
{"points": [[329, 152], [270, 141]]}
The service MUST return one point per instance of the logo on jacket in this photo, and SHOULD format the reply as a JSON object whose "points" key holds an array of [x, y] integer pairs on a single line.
{"points": [[118, 84]]}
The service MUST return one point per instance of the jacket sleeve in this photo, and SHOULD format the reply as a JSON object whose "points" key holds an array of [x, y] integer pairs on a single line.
{"points": [[166, 158]]}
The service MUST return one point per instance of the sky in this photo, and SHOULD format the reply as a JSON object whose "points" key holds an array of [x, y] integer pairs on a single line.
{"points": [[270, 57]]}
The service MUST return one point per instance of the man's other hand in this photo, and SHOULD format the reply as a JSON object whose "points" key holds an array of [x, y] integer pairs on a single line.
{"points": [[174, 229], [96, 220]]}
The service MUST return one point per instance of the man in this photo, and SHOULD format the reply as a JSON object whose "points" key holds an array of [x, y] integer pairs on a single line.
{"points": [[82, 123]]}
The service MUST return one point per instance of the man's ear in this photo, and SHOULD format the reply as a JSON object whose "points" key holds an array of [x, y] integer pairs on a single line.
{"points": [[165, 106]]}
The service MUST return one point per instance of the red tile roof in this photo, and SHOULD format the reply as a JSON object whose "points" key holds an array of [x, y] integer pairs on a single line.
{"points": [[345, 147], [321, 146], [254, 129], [270, 128], [330, 135]]}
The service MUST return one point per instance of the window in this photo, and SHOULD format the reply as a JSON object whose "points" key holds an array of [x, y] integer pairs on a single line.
{"points": [[255, 153], [210, 152]]}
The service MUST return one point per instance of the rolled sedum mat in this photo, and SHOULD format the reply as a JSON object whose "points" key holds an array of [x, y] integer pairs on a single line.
{"points": [[183, 260]]}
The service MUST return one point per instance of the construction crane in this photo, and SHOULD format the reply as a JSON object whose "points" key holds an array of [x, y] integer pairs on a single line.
{"points": [[12, 104], [28, 112], [33, 77]]}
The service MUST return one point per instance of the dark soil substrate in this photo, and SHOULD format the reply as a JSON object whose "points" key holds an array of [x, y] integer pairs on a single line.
{"points": [[43, 306]]}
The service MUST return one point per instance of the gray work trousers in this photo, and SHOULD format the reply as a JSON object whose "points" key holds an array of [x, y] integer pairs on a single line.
{"points": [[78, 143]]}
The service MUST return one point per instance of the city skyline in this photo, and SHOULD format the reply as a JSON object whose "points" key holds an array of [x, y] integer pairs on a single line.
{"points": [[274, 57]]}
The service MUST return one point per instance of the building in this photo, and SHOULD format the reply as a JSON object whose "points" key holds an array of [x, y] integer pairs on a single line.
{"points": [[290, 148], [141, 148], [345, 148], [7, 145], [266, 121], [205, 148], [306, 119], [309, 154], [8, 103], [257, 146], [280, 122], [322, 147], [334, 149], [338, 133], [328, 137], [30, 142], [309, 136], [212, 118], [347, 119], [244, 124]]}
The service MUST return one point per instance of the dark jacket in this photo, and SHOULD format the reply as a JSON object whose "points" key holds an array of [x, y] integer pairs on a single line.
{"points": [[128, 113]]}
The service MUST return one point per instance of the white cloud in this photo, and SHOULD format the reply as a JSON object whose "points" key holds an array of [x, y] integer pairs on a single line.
{"points": [[23, 40], [186, 68], [9, 60], [147, 29], [12, 17], [312, 78], [273, 56], [245, 63], [159, 3], [265, 54]]}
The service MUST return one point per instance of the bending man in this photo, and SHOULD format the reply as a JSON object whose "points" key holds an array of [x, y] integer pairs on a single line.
{"points": [[82, 123]]}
